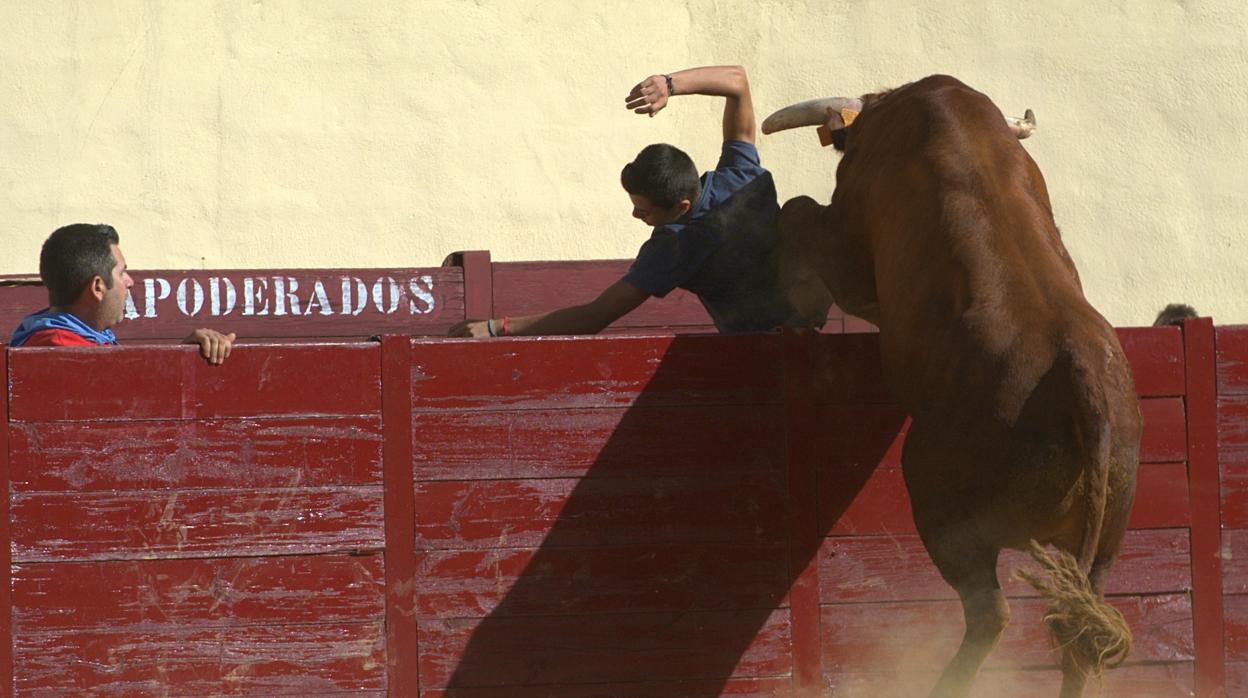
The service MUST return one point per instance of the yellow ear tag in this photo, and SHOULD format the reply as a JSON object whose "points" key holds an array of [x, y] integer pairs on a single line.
{"points": [[848, 116]]}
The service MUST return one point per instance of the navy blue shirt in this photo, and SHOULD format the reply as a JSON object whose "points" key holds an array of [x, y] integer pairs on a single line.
{"points": [[725, 249]]}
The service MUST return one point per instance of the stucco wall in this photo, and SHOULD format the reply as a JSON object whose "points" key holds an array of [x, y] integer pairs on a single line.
{"points": [[258, 134]]}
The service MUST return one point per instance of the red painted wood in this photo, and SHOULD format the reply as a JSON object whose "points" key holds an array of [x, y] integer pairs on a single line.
{"points": [[1232, 357], [536, 373], [54, 384], [152, 455], [286, 303], [295, 660], [1165, 437], [403, 651], [1169, 680], [897, 568], [924, 635], [478, 274], [732, 508], [738, 688], [1156, 356], [1234, 561], [6, 554], [1236, 678], [172, 595], [613, 648], [598, 442], [56, 526], [1236, 607], [882, 506], [641, 578], [803, 454], [1202, 439]]}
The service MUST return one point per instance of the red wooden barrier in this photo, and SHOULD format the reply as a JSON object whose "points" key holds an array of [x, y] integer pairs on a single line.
{"points": [[642, 515]]}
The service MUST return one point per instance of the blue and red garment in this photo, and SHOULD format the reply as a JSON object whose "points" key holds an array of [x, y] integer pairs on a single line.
{"points": [[49, 329]]}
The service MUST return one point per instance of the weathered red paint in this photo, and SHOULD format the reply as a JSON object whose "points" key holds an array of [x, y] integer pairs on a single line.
{"points": [[670, 516]]}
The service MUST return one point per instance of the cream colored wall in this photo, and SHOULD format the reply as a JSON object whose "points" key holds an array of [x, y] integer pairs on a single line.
{"points": [[389, 133]]}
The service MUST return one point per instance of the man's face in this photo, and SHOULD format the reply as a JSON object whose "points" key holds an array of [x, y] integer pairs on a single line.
{"points": [[113, 300], [645, 211]]}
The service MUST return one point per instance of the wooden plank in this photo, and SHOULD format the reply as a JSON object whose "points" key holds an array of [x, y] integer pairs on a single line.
{"points": [[897, 568], [882, 506], [1168, 680], [273, 660], [846, 371], [1234, 556], [1236, 678], [68, 384], [134, 455], [599, 442], [802, 433], [1204, 487], [615, 647], [172, 595], [275, 303], [1234, 490], [924, 635], [1165, 431], [524, 288], [1156, 357], [734, 508], [50, 527], [478, 275], [639, 578], [564, 373], [402, 657], [738, 688], [6, 549], [1236, 618], [1231, 342]]}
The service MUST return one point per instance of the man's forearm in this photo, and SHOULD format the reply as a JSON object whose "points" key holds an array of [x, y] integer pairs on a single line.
{"points": [[714, 80], [575, 319]]}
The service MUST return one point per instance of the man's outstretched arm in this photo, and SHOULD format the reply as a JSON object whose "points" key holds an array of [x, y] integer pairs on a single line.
{"points": [[588, 318], [650, 96]]}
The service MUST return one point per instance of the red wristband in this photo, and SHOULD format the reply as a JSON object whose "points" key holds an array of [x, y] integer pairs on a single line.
{"points": [[505, 331]]}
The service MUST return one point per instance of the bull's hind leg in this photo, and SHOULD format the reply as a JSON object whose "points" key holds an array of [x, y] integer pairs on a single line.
{"points": [[970, 566]]}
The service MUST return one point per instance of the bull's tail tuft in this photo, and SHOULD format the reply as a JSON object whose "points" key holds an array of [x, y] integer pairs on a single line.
{"points": [[1093, 633]]}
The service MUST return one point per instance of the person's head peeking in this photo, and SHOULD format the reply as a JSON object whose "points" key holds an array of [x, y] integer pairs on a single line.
{"points": [[662, 183], [85, 273]]}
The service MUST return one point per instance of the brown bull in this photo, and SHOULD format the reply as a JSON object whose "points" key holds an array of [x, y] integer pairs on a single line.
{"points": [[1026, 426]]}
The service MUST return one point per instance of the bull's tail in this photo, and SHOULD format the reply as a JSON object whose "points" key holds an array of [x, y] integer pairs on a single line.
{"points": [[1092, 634]]}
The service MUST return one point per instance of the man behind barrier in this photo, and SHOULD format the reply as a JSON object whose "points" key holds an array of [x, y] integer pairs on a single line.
{"points": [[85, 273]]}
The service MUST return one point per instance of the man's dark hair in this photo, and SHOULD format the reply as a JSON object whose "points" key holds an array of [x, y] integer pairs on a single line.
{"points": [[662, 173], [72, 256], [1174, 314]]}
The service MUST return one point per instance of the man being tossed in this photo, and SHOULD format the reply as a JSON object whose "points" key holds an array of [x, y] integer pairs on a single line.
{"points": [[715, 235], [85, 273]]}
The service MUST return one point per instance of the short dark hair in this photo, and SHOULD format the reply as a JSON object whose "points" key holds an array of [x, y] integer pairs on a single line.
{"points": [[1174, 314], [662, 173], [73, 255]]}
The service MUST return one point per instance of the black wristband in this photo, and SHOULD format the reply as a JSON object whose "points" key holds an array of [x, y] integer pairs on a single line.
{"points": [[671, 91]]}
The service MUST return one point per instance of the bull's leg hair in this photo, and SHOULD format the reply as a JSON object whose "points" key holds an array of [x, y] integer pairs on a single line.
{"points": [[970, 566]]}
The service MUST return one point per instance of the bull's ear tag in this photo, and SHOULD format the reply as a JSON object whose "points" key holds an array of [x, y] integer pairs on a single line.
{"points": [[825, 131]]}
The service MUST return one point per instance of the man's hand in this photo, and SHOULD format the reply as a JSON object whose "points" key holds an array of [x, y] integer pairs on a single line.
{"points": [[469, 328], [649, 96], [213, 345]]}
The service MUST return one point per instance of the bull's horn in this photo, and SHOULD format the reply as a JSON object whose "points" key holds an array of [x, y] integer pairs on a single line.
{"points": [[812, 112], [1022, 127]]}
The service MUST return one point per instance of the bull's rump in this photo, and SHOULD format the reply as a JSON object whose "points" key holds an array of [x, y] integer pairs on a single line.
{"points": [[1018, 388]]}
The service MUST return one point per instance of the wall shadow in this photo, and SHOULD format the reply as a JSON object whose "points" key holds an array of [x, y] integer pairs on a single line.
{"points": [[667, 569]]}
